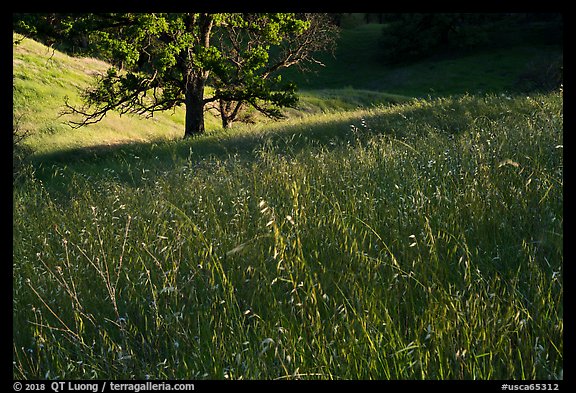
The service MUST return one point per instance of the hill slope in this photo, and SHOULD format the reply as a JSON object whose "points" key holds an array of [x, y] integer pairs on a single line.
{"points": [[512, 53], [43, 77]]}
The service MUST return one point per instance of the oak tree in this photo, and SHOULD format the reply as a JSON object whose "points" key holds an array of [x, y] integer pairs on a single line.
{"points": [[161, 61]]}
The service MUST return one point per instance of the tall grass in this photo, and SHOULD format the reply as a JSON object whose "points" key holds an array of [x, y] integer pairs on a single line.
{"points": [[417, 242]]}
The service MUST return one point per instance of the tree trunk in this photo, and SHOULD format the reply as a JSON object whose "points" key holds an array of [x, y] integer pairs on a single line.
{"points": [[225, 122], [229, 111], [194, 102], [195, 79]]}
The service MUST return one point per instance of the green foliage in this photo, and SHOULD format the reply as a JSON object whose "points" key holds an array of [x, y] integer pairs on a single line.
{"points": [[413, 36], [409, 37], [256, 48], [177, 53]]}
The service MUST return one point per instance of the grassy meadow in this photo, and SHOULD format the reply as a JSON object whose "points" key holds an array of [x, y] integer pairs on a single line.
{"points": [[369, 235]]}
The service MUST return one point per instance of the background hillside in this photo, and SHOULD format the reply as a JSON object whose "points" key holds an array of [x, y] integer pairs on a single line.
{"points": [[512, 59]]}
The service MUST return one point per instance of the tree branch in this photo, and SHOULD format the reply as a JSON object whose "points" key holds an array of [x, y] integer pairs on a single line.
{"points": [[110, 95]]}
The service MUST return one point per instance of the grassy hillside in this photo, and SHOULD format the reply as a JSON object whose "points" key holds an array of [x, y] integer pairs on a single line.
{"points": [[511, 55], [43, 77], [353, 240]]}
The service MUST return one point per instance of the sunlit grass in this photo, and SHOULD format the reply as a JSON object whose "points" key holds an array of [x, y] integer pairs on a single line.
{"points": [[423, 241]]}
